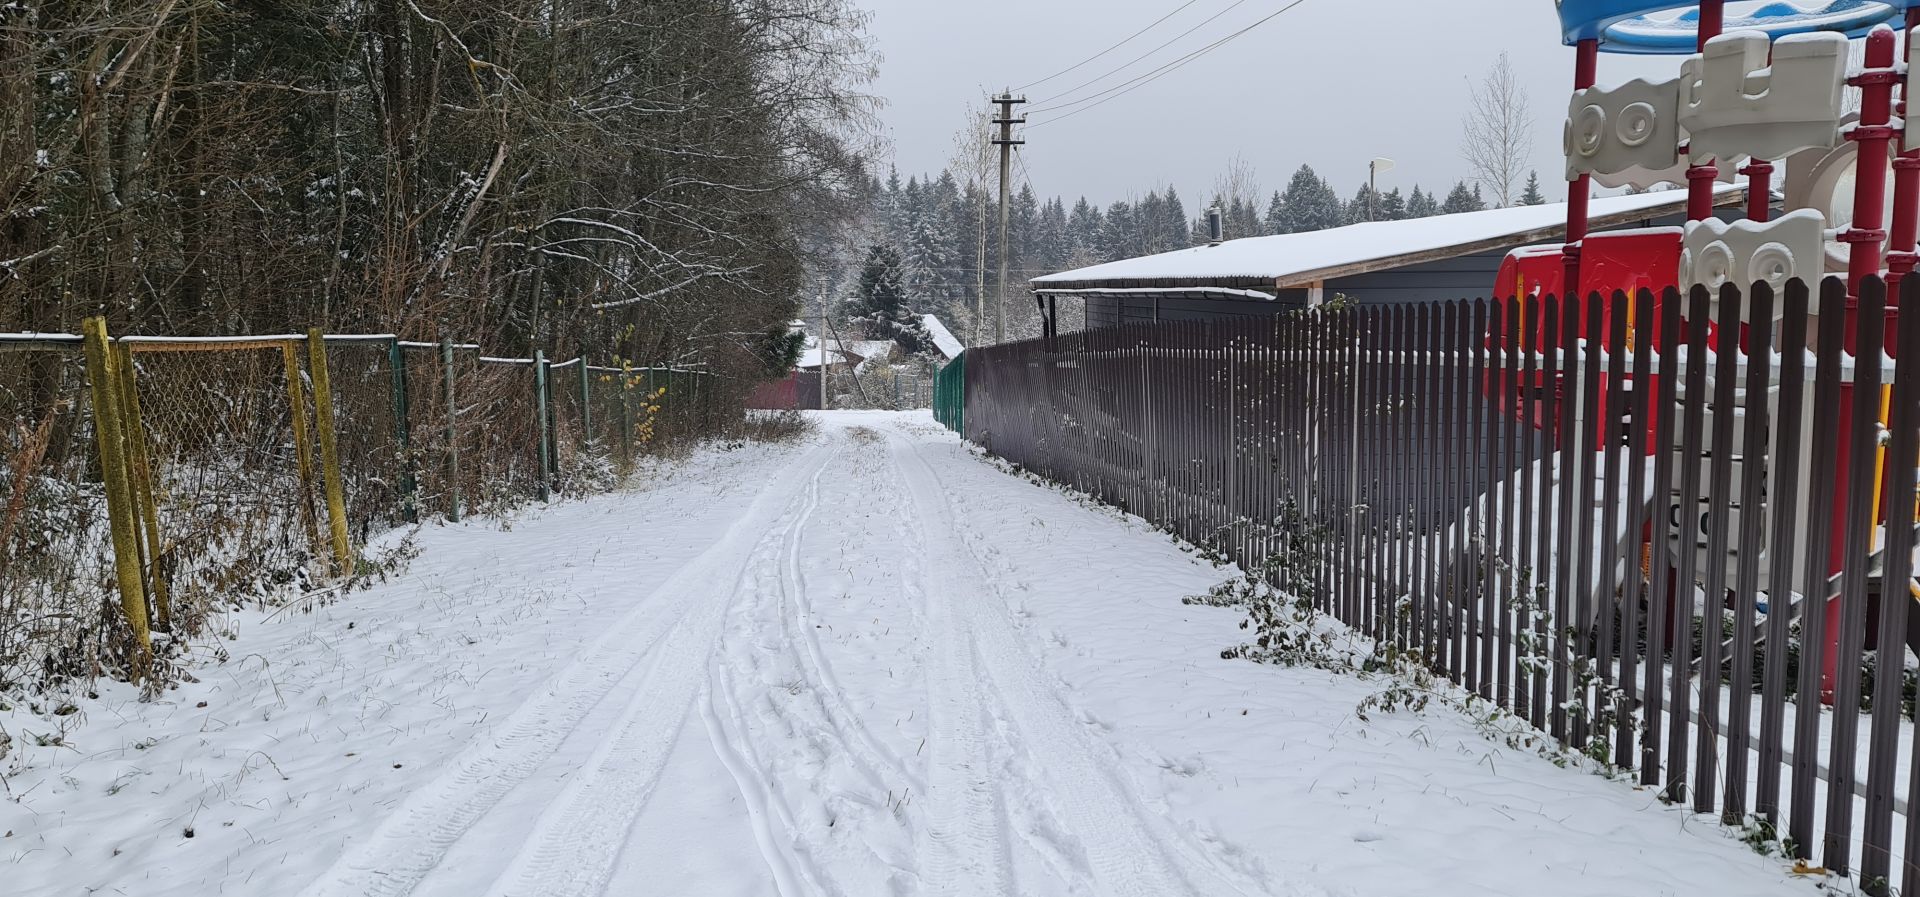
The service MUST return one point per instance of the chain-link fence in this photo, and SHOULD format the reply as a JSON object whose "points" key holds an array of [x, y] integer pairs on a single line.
{"points": [[148, 483], [56, 567]]}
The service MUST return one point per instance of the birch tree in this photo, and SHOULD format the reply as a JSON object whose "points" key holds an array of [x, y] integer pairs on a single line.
{"points": [[1498, 132]]}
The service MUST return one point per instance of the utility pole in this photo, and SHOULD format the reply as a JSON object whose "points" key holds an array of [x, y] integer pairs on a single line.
{"points": [[823, 351], [1006, 143], [1373, 185]]}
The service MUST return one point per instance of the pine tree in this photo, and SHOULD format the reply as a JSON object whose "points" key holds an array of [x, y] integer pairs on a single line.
{"points": [[1422, 204], [1532, 196], [1393, 206], [1462, 199], [882, 296], [1309, 204], [1085, 229], [1275, 221], [1174, 223], [1366, 205]]}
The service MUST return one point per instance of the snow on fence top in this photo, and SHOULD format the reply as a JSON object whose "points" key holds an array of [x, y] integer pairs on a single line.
{"points": [[1298, 260]]}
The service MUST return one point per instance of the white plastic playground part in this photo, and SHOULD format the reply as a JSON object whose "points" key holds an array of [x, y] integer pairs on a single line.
{"points": [[1822, 180], [1743, 252], [1633, 126], [1733, 103]]}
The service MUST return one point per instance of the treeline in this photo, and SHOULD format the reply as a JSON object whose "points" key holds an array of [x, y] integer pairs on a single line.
{"points": [[650, 181], [941, 234]]}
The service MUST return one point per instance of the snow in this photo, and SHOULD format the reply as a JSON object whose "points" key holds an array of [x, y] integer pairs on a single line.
{"points": [[943, 339], [866, 663], [1285, 259], [870, 351]]}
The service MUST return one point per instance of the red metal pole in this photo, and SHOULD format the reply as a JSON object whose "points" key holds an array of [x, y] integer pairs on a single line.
{"points": [[1864, 238], [1870, 178], [1586, 68], [1700, 177], [1759, 190], [1901, 258]]}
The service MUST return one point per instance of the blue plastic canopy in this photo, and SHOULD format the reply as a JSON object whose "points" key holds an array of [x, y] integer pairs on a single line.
{"points": [[1632, 26]]}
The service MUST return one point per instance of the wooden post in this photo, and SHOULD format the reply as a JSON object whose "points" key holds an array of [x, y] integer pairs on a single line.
{"points": [[303, 446], [540, 406], [111, 440], [452, 430], [329, 452], [140, 473]]}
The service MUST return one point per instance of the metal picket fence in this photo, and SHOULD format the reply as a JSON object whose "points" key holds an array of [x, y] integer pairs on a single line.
{"points": [[146, 483], [1661, 547]]}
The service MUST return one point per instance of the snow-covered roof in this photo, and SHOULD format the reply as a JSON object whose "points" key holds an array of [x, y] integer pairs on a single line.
{"points": [[810, 358], [870, 350], [943, 339], [1296, 260]]}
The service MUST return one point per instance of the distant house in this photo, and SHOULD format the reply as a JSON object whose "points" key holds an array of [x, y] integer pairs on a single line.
{"points": [[1382, 262], [944, 343], [801, 388]]}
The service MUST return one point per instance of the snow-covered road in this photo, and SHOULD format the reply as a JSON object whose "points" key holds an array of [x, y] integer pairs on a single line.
{"points": [[867, 664]]}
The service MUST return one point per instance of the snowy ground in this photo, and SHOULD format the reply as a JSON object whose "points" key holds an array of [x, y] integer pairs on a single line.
{"points": [[870, 664]]}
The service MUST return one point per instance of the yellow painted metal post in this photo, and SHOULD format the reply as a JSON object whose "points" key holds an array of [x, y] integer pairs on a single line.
{"points": [[303, 446], [329, 453], [102, 379], [140, 471]]}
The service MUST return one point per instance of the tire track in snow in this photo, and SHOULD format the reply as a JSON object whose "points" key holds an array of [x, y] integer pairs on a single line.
{"points": [[574, 847], [964, 847], [1128, 848], [846, 722], [410, 842]]}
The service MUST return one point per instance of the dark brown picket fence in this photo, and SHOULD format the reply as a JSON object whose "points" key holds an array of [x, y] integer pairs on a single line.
{"points": [[1499, 488]]}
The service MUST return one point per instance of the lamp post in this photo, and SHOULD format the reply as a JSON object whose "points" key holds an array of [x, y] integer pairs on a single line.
{"points": [[1373, 191]]}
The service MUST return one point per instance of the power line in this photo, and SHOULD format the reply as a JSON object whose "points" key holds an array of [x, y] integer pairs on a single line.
{"points": [[1154, 75], [1129, 63], [1117, 46]]}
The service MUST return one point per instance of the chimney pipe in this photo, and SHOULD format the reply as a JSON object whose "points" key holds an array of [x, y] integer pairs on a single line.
{"points": [[1216, 227]]}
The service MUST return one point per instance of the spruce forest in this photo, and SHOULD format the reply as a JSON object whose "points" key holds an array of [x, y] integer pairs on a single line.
{"points": [[938, 235]]}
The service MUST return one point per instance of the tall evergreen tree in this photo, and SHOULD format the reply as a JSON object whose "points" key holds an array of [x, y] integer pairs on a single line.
{"points": [[1309, 204], [882, 295], [1393, 206], [1462, 199], [1422, 204], [1275, 221], [1531, 196]]}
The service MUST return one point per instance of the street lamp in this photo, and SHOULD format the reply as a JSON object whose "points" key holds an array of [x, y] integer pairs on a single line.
{"points": [[1373, 173]]}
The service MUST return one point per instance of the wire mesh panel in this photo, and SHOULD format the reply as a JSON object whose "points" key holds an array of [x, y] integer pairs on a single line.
{"points": [[234, 511], [499, 434], [366, 428], [56, 611]]}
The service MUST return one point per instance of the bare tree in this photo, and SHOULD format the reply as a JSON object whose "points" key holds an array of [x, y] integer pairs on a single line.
{"points": [[974, 162], [1498, 132], [1237, 192]]}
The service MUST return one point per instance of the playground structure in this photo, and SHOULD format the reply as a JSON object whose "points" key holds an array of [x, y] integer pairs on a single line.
{"points": [[1760, 89]]}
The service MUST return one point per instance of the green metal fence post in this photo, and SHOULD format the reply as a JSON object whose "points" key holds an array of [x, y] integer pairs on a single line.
{"points": [[452, 430], [540, 404], [586, 402], [402, 432]]}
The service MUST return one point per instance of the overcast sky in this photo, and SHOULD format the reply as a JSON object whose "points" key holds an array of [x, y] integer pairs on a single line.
{"points": [[1307, 87]]}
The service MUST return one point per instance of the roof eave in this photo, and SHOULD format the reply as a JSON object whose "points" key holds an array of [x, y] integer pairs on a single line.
{"points": [[1303, 279]]}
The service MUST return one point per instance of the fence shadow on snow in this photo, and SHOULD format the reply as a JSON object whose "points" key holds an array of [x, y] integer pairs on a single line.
{"points": [[1507, 490]]}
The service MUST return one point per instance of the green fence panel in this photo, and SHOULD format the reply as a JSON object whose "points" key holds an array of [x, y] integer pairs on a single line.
{"points": [[950, 394]]}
